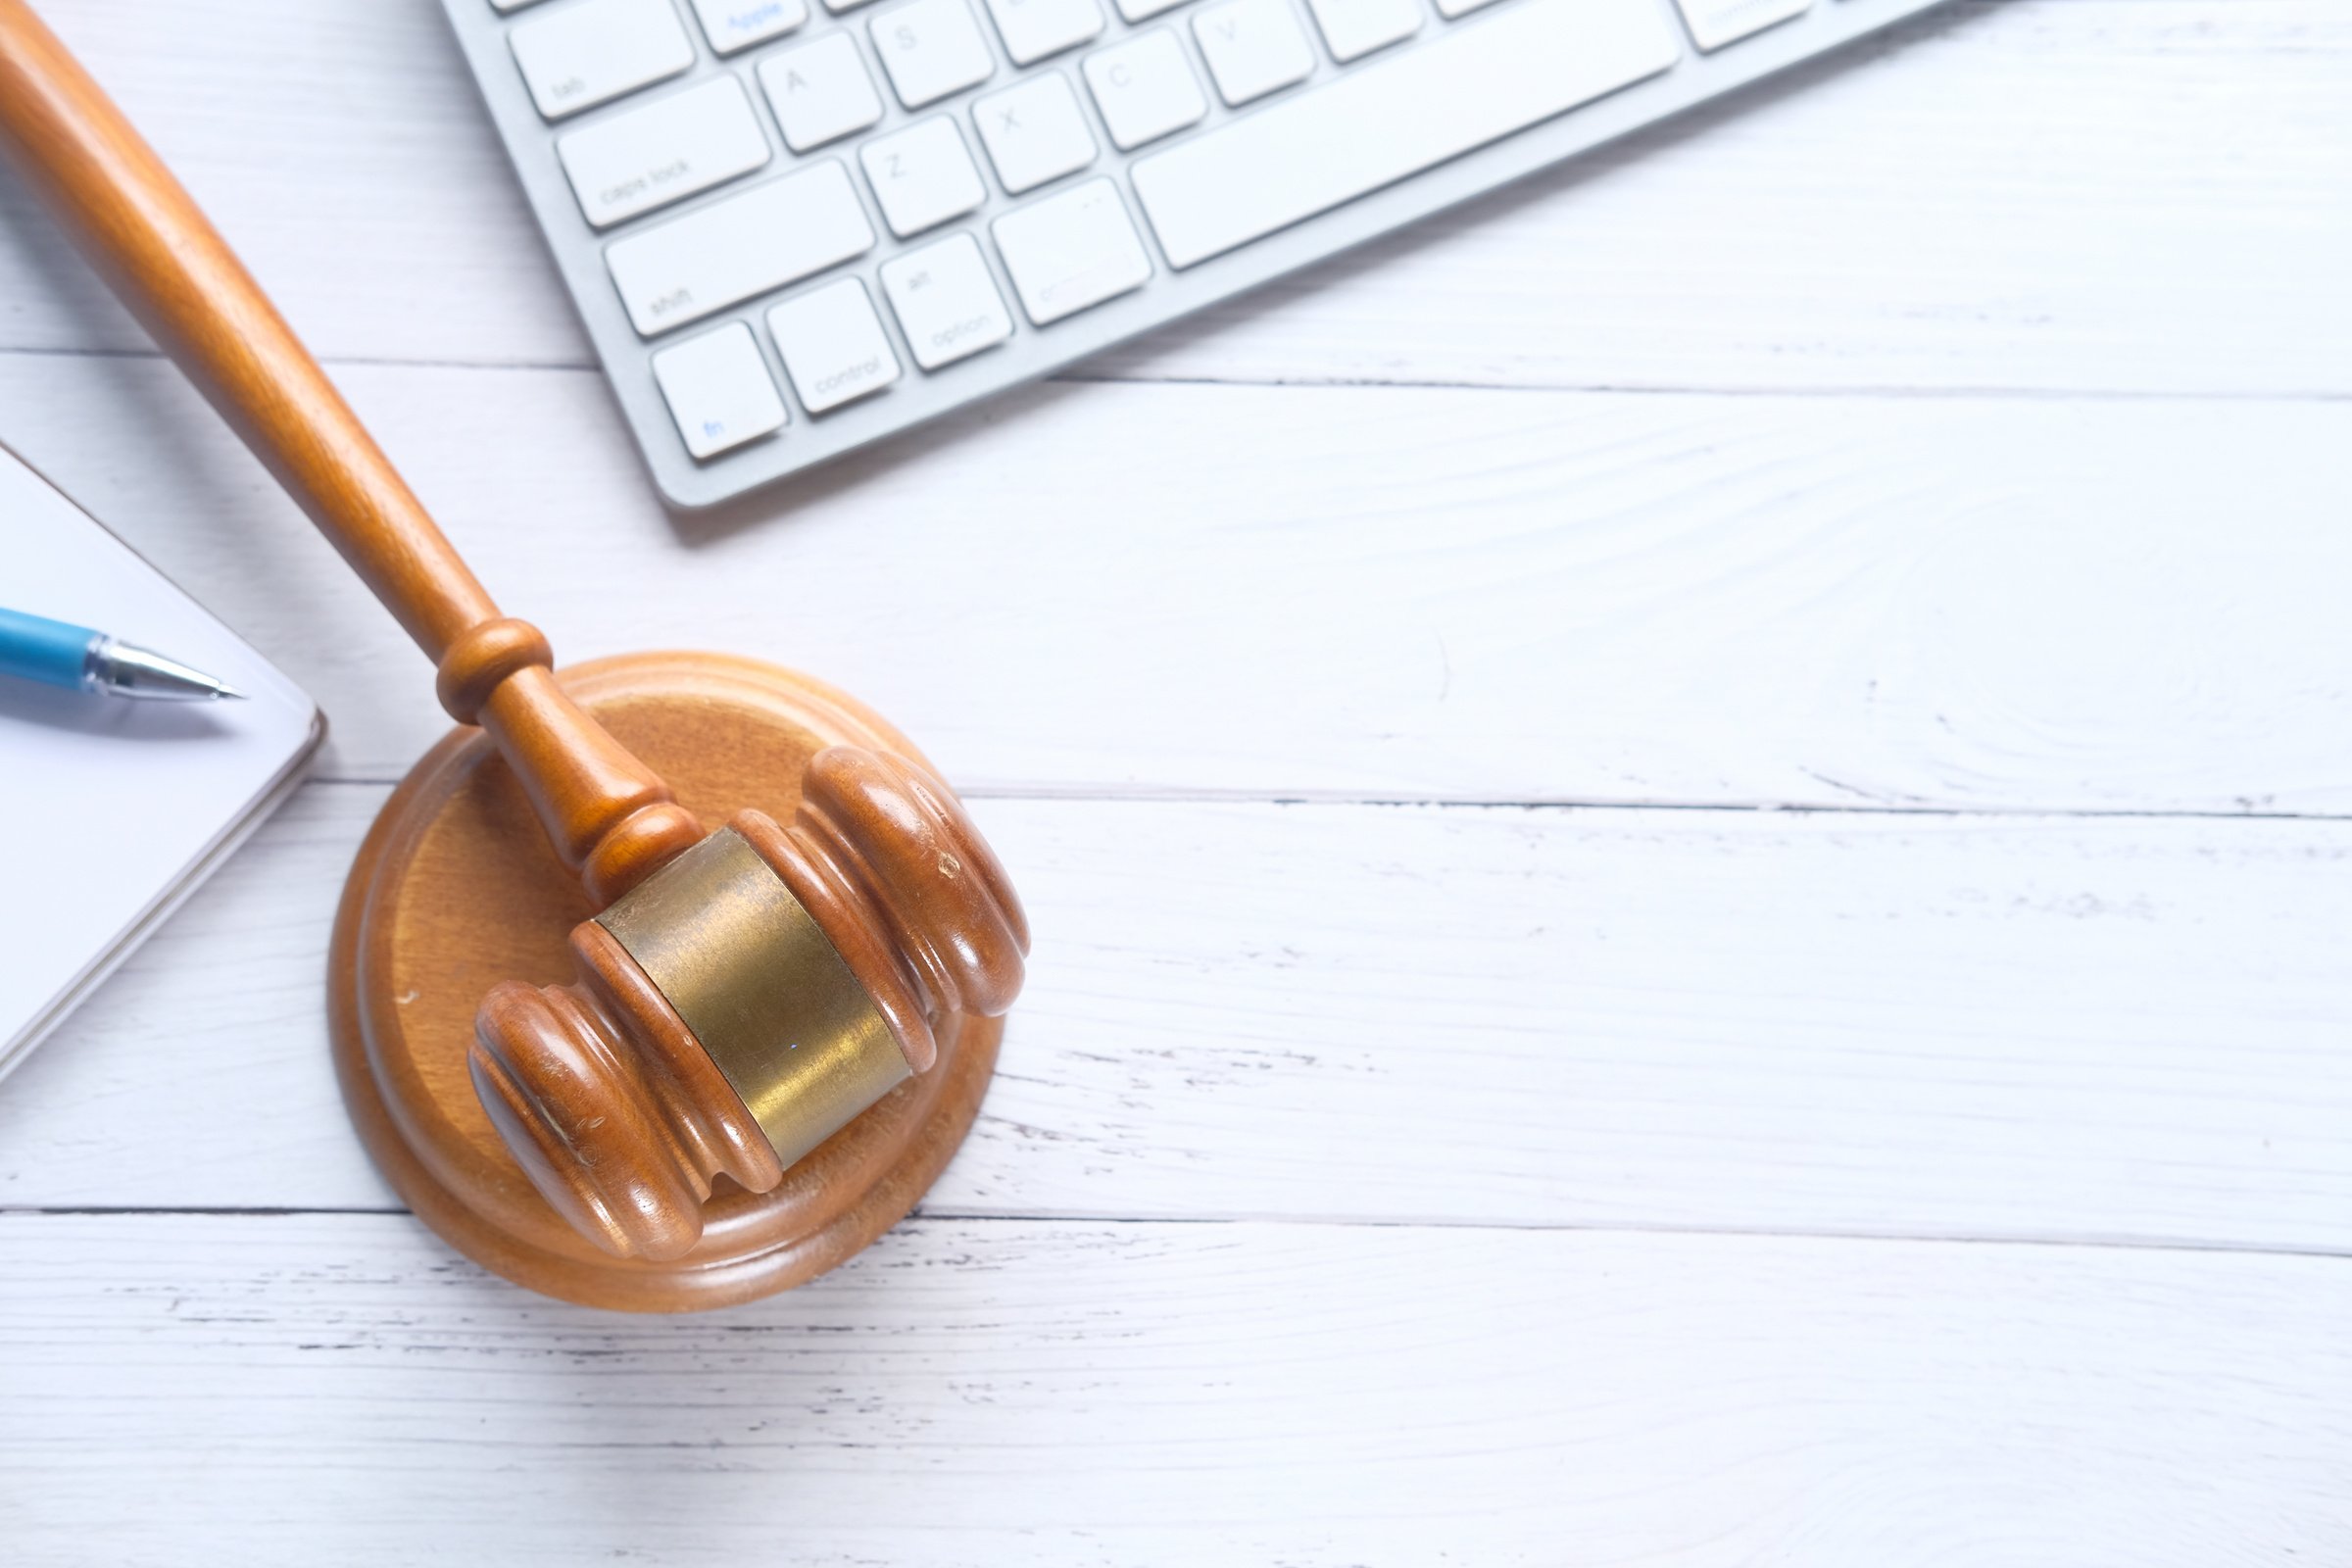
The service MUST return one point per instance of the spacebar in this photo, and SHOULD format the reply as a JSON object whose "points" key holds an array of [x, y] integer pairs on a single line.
{"points": [[1515, 68]]}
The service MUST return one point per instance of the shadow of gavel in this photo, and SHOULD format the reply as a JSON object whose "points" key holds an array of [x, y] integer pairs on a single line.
{"points": [[745, 993]]}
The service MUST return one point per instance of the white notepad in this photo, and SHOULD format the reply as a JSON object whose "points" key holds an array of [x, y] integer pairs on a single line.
{"points": [[117, 809]]}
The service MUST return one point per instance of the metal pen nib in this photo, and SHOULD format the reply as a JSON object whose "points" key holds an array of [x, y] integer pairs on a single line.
{"points": [[130, 671]]}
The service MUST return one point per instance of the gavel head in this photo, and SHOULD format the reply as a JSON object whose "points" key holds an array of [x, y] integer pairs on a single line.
{"points": [[746, 1000]]}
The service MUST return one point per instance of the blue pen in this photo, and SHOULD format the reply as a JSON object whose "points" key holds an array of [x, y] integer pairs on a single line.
{"points": [[56, 654]]}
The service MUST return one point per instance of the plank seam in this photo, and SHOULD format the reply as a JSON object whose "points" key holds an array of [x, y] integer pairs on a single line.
{"points": [[1115, 794], [2183, 1244], [1080, 377]]}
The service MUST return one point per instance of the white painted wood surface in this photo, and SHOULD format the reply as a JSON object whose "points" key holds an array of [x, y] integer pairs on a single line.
{"points": [[337, 1388], [2090, 604], [1824, 1022], [1953, 444], [2123, 195]]}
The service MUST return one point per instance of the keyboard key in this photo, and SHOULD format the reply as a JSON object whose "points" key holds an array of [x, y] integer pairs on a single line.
{"points": [[591, 51], [1034, 132], [1353, 28], [1253, 48], [719, 390], [1034, 28], [820, 91], [946, 303], [1144, 10], [931, 48], [833, 345], [732, 24], [1143, 89], [1531, 60], [922, 175], [1716, 23], [770, 235], [1072, 251], [511, 4], [669, 149], [1450, 9]]}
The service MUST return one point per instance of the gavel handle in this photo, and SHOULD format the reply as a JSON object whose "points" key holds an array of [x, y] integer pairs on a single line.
{"points": [[608, 815]]}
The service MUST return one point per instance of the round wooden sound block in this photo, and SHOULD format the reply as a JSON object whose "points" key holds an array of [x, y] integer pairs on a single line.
{"points": [[455, 889]]}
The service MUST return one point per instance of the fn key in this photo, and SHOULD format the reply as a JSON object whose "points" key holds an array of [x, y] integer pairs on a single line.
{"points": [[719, 390]]}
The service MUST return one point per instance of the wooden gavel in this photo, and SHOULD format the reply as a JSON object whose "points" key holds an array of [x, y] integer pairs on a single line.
{"points": [[744, 993]]}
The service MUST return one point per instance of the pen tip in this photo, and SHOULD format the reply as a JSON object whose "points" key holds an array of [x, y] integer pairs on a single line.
{"points": [[129, 671]]}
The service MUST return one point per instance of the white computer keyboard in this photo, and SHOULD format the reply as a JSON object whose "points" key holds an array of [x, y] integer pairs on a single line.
{"points": [[793, 231]]}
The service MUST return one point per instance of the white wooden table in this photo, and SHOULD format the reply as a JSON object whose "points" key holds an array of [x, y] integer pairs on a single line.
{"points": [[1690, 837]]}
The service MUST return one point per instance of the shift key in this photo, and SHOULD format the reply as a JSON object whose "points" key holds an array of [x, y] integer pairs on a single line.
{"points": [[734, 249]]}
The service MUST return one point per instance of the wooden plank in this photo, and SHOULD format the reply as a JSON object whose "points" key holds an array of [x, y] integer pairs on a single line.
{"points": [[2121, 1030], [2109, 606], [2142, 196], [306, 1390]]}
